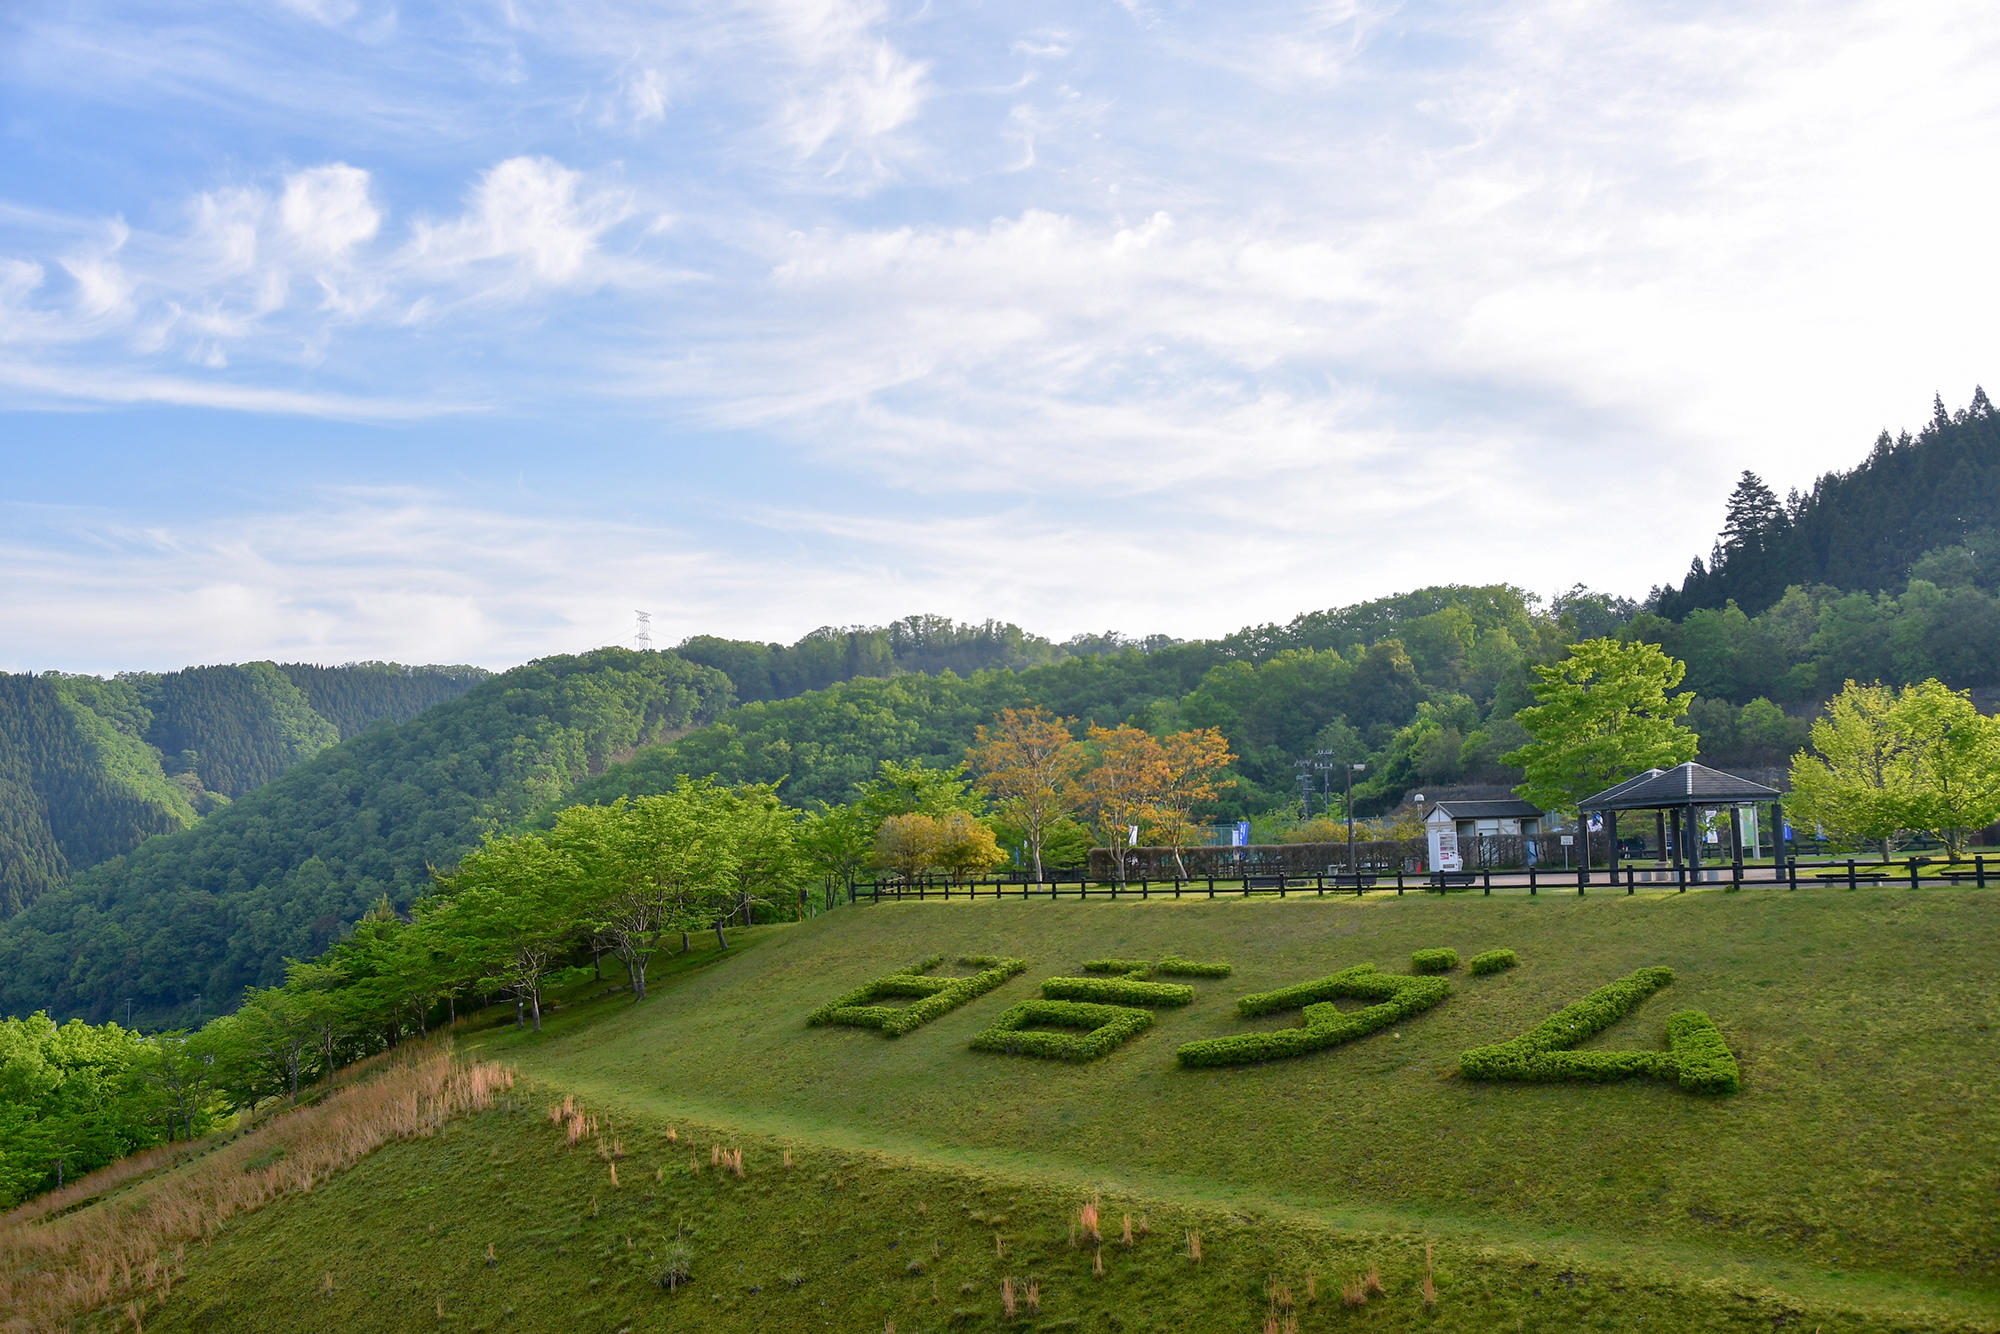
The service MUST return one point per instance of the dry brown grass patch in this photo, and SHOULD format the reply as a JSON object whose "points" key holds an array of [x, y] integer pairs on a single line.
{"points": [[129, 1248]]}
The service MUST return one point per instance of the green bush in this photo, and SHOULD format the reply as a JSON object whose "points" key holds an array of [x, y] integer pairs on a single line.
{"points": [[1117, 991], [1171, 966], [1542, 1053], [1493, 961], [1175, 966], [1322, 1024], [1706, 1063], [1123, 967], [936, 995], [1433, 961], [1102, 1028]]}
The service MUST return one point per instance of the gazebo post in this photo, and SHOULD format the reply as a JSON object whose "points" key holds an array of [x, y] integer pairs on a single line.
{"points": [[1691, 825], [1677, 850], [1736, 842], [1778, 835], [1660, 820], [1611, 837]]}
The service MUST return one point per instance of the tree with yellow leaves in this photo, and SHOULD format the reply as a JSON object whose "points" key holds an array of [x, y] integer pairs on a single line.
{"points": [[1028, 764]]}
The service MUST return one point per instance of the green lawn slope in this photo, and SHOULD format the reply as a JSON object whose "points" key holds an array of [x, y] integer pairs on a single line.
{"points": [[1847, 1186]]}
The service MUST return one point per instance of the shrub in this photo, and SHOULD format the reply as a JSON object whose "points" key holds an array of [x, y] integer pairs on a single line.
{"points": [[1175, 966], [1124, 967], [1706, 1063], [1117, 991], [1324, 1025], [1103, 1027], [676, 1264], [1433, 961], [935, 995], [1542, 1053], [1493, 961]]}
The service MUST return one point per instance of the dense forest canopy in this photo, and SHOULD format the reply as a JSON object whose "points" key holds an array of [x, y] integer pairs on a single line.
{"points": [[1928, 500], [92, 767], [284, 870]]}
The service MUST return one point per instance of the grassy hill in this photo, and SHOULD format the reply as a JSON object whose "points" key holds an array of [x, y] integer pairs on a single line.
{"points": [[1847, 1186]]}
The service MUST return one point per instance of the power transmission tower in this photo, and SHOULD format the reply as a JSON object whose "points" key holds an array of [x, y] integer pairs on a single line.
{"points": [[645, 631]]}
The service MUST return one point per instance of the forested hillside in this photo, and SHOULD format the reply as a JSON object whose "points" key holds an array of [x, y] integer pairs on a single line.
{"points": [[285, 869], [1926, 505], [90, 767]]}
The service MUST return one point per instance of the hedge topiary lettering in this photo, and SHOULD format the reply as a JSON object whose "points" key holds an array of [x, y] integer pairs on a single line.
{"points": [[1696, 1058], [1117, 991], [1493, 961], [1101, 1028], [1322, 1025], [935, 995], [1433, 961], [1171, 966]]}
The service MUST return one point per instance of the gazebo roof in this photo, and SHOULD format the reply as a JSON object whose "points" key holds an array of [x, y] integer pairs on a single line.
{"points": [[1687, 784]]}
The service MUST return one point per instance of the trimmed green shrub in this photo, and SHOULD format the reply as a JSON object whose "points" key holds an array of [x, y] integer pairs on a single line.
{"points": [[1124, 967], [1493, 961], [1175, 966], [1117, 991], [1542, 1053], [1322, 1024], [1171, 966], [935, 995], [1706, 1063], [1433, 961], [1101, 1028]]}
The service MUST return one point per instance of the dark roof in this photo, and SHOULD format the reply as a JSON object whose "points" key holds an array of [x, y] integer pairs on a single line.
{"points": [[1508, 809], [1687, 784]]}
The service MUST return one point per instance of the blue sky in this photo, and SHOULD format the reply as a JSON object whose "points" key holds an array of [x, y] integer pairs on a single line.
{"points": [[338, 329]]}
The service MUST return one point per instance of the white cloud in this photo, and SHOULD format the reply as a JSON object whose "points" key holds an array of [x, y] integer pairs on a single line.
{"points": [[328, 211], [532, 217]]}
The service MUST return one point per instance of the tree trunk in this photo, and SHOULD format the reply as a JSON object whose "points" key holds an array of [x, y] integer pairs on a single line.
{"points": [[1035, 852], [535, 998], [520, 1020], [639, 980], [685, 946], [720, 939]]}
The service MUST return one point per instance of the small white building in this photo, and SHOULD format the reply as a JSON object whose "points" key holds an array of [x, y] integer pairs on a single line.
{"points": [[1454, 828]]}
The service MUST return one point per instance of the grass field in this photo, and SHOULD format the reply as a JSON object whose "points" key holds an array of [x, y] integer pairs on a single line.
{"points": [[1850, 1185]]}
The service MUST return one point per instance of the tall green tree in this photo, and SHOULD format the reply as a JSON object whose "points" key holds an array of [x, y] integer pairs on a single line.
{"points": [[1601, 715]]}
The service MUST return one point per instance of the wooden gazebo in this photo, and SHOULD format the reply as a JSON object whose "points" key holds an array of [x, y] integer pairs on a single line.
{"points": [[1675, 796]]}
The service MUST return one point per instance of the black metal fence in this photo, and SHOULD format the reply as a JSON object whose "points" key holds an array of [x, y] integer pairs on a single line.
{"points": [[1850, 873]]}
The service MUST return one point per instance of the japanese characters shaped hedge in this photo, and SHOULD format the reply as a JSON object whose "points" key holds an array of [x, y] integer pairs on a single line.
{"points": [[1117, 991], [1696, 1057], [934, 996], [1493, 961], [1321, 1025], [1099, 1029], [1171, 966], [1433, 961]]}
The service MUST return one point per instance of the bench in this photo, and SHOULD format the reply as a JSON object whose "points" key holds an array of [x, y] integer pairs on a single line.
{"points": [[1443, 880], [1251, 882], [1354, 880]]}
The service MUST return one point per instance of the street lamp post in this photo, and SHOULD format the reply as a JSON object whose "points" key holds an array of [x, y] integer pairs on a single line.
{"points": [[1352, 769]]}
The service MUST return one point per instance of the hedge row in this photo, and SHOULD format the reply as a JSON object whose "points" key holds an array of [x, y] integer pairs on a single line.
{"points": [[1323, 1024], [1117, 991], [1706, 1063], [936, 995], [1542, 1053], [1433, 961], [1171, 966], [1175, 966], [1102, 1028], [1493, 961]]}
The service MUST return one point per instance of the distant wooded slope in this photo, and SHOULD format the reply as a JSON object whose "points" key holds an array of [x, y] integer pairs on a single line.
{"points": [[282, 871], [91, 767]]}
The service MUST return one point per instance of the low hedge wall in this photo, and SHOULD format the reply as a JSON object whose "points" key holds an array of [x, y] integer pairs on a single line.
{"points": [[1175, 966], [1542, 1053], [1101, 1029], [936, 995], [1433, 961], [1117, 991], [1493, 961], [1323, 1025], [1123, 967], [1706, 1063]]}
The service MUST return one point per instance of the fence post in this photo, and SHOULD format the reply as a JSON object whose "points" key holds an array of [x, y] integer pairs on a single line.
{"points": [[1399, 877], [1631, 880], [1531, 879], [1582, 877], [1912, 864], [1850, 873], [1791, 874], [1979, 869], [1211, 886]]}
